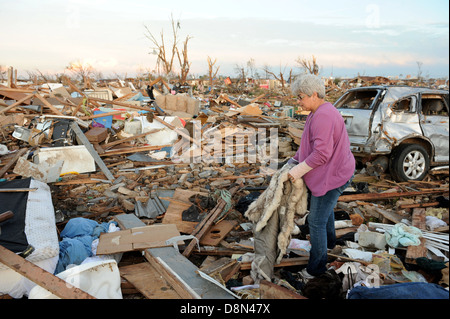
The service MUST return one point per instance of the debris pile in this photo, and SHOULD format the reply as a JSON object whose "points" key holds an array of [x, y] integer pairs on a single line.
{"points": [[145, 186]]}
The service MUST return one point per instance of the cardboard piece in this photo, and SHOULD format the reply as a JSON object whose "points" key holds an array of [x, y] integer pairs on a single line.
{"points": [[138, 238]]}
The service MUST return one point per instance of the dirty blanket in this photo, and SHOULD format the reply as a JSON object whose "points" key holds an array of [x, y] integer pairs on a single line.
{"points": [[273, 216]]}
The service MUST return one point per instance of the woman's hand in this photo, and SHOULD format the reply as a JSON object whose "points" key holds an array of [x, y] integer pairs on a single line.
{"points": [[291, 178]]}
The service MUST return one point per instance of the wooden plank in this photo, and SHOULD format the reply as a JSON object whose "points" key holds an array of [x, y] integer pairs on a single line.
{"points": [[180, 286], [147, 280], [217, 265], [17, 190], [12, 161], [131, 138], [285, 262], [217, 232], [15, 94], [207, 222], [19, 102], [47, 104], [419, 205], [134, 150], [381, 196], [41, 277], [269, 290]]}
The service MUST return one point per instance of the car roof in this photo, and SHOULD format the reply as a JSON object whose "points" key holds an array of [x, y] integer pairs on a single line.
{"points": [[405, 88]]}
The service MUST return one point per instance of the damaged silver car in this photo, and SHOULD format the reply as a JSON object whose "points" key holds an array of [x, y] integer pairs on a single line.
{"points": [[400, 129]]}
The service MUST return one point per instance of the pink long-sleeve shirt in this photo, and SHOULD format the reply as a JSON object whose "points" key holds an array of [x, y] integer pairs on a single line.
{"points": [[325, 147]]}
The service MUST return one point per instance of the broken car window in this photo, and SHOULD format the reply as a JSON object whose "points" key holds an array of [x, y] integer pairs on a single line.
{"points": [[358, 100], [405, 105], [433, 105]]}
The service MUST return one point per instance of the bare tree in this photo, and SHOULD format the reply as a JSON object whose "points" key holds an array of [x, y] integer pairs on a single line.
{"points": [[419, 71], [309, 66], [185, 65], [211, 71], [241, 72], [81, 70], [165, 59], [251, 67], [280, 76]]}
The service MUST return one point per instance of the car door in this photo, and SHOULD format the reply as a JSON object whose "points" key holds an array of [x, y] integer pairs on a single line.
{"points": [[435, 123], [356, 107], [401, 120]]}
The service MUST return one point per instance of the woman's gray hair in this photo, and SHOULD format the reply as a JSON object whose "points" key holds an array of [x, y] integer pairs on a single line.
{"points": [[308, 84]]}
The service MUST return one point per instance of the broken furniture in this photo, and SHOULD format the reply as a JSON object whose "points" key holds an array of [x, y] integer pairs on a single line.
{"points": [[180, 105]]}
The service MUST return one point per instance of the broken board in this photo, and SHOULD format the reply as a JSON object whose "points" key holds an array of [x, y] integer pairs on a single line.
{"points": [[138, 238], [179, 203], [217, 232], [147, 280]]}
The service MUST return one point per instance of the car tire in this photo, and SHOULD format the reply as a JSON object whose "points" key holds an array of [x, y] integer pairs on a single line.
{"points": [[409, 162]]}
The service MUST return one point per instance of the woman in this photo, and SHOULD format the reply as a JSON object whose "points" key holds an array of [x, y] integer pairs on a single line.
{"points": [[326, 164]]}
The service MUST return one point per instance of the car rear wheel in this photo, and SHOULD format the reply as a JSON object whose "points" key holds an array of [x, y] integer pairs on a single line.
{"points": [[409, 162]]}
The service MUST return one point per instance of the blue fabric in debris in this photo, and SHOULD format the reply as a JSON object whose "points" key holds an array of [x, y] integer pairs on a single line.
{"points": [[76, 244], [408, 290]]}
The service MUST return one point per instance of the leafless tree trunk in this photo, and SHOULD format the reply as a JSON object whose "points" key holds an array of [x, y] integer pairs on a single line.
{"points": [[280, 76], [310, 66], [165, 58], [80, 70], [185, 65], [212, 73]]}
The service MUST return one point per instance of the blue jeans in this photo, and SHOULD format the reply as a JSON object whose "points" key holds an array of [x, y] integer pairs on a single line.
{"points": [[321, 228]]}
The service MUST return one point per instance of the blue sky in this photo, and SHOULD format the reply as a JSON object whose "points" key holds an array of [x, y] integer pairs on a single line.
{"points": [[347, 37]]}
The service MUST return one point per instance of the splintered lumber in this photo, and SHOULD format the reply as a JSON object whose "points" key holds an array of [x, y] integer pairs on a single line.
{"points": [[381, 196], [215, 234], [147, 280], [207, 222], [47, 104], [170, 262], [269, 290], [131, 138], [19, 102], [285, 262], [41, 277], [12, 161], [133, 149]]}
